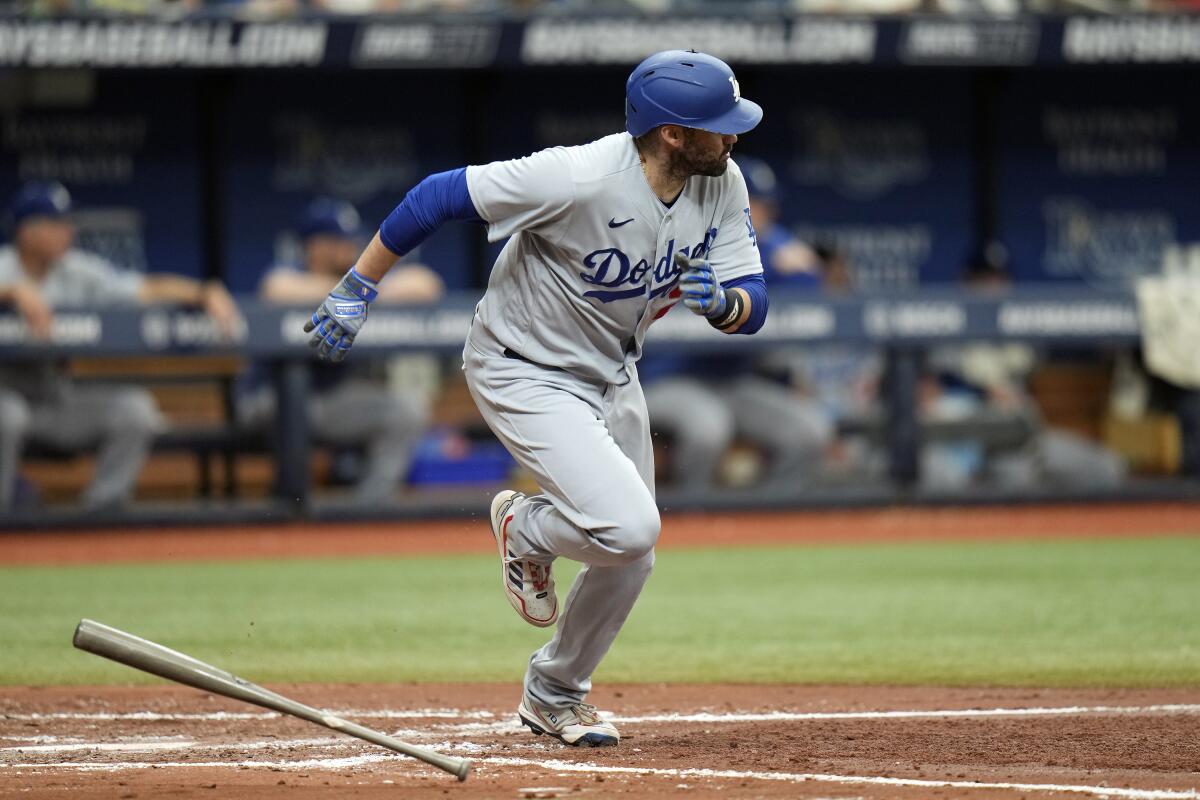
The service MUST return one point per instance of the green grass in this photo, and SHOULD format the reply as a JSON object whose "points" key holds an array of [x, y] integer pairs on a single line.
{"points": [[1065, 613]]}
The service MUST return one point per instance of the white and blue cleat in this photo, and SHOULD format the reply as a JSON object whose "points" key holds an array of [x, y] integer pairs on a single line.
{"points": [[579, 725], [528, 586]]}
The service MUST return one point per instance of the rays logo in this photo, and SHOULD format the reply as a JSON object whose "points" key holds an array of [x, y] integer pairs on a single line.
{"points": [[611, 268], [860, 159], [1105, 247]]}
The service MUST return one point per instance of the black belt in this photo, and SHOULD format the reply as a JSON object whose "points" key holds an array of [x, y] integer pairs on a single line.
{"points": [[510, 353]]}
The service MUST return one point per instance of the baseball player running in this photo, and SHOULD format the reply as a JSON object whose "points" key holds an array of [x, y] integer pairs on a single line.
{"points": [[603, 239]]}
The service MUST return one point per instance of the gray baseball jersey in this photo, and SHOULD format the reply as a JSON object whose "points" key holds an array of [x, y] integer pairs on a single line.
{"points": [[77, 280], [590, 264], [550, 361]]}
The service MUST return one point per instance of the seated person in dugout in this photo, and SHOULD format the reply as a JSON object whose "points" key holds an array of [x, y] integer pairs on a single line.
{"points": [[41, 271], [975, 377], [349, 406]]}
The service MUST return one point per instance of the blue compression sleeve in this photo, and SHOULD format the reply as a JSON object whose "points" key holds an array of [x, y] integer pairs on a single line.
{"points": [[437, 199], [756, 287]]}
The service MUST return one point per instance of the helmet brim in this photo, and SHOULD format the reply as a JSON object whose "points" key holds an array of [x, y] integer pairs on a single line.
{"points": [[743, 117]]}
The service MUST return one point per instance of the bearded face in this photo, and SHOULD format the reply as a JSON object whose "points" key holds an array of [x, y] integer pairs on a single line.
{"points": [[702, 153]]}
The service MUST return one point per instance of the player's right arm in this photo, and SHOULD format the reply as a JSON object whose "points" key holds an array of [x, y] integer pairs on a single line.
{"points": [[532, 193]]}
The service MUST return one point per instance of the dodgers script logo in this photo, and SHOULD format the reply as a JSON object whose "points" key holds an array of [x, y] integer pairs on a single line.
{"points": [[610, 267]]}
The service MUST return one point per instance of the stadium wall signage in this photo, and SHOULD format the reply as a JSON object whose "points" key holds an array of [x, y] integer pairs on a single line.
{"points": [[378, 43]]}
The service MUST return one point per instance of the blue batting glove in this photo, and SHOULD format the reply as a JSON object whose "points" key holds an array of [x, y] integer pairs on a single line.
{"points": [[339, 319], [698, 285]]}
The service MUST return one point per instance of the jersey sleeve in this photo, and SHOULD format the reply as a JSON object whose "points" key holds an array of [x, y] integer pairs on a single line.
{"points": [[534, 194], [734, 253], [108, 284]]}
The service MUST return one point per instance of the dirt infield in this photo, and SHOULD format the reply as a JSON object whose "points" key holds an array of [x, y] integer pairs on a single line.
{"points": [[679, 530], [686, 741]]}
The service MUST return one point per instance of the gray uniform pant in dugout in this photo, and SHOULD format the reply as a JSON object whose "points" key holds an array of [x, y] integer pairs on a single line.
{"points": [[587, 444], [119, 421], [357, 413]]}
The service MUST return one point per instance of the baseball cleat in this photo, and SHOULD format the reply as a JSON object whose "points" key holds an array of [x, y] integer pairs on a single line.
{"points": [[528, 586], [579, 725]]}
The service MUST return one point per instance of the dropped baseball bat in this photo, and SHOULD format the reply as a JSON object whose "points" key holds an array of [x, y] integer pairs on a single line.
{"points": [[149, 657]]}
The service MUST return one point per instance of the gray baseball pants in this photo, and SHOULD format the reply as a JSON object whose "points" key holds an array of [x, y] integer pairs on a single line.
{"points": [[358, 413], [119, 421], [704, 419], [587, 444]]}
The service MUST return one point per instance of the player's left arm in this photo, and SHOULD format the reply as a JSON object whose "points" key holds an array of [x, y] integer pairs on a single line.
{"points": [[752, 311], [736, 306], [726, 284]]}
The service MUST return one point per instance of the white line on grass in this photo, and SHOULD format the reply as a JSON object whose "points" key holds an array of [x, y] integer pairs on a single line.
{"points": [[583, 767], [714, 717]]}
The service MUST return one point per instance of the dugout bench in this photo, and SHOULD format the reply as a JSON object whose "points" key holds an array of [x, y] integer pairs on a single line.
{"points": [[903, 326]]}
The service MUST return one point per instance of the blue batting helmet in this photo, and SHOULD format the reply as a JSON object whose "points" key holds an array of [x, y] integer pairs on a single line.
{"points": [[683, 87]]}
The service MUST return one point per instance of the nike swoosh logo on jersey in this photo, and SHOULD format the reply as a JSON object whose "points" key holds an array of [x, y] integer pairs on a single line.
{"points": [[612, 223]]}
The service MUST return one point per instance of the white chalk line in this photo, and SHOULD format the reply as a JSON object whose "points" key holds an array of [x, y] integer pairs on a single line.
{"points": [[433, 741], [161, 746], [805, 777], [589, 768], [107, 747], [118, 766], [509, 725], [563, 766], [797, 716], [50, 744], [235, 716], [713, 717]]}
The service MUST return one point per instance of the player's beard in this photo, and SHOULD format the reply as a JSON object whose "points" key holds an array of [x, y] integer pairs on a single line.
{"points": [[694, 159]]}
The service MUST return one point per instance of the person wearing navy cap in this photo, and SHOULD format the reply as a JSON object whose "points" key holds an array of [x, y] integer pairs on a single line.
{"points": [[787, 262], [40, 271], [348, 408]]}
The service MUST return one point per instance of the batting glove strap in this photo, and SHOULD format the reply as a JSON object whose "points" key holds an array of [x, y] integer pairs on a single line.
{"points": [[734, 305], [361, 287]]}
